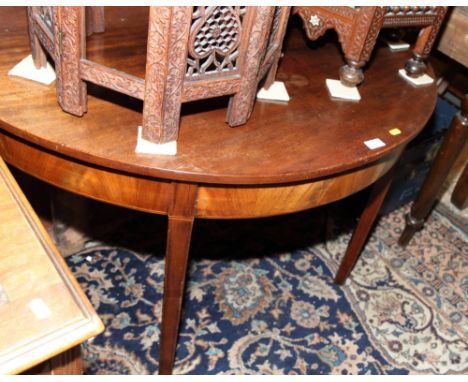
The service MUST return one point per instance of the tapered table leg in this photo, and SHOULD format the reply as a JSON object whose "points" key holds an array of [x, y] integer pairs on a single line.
{"points": [[181, 216], [379, 190], [452, 145]]}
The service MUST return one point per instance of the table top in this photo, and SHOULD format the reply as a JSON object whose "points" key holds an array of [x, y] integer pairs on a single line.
{"points": [[42, 308], [312, 136]]}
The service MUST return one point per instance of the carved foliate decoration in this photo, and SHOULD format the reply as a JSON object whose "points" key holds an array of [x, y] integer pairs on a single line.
{"points": [[215, 35], [112, 79], [165, 70], [240, 106], [71, 91], [196, 90]]}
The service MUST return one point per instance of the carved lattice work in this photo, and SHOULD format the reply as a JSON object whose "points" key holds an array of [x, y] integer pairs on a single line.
{"points": [[46, 14], [214, 40]]}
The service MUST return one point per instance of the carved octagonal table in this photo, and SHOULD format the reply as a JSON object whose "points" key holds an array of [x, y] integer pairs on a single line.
{"points": [[287, 158]]}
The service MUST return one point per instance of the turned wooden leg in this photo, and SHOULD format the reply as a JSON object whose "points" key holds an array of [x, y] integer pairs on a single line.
{"points": [[352, 74], [67, 363], [367, 24], [415, 66], [460, 193], [451, 146], [179, 234], [360, 234]]}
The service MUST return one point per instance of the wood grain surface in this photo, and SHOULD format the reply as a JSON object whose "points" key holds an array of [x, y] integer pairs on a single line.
{"points": [[311, 136]]}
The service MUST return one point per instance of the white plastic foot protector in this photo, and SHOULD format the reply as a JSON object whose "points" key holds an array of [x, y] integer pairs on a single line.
{"points": [[26, 69], [398, 46], [146, 147], [423, 80], [339, 91], [374, 143], [276, 92]]}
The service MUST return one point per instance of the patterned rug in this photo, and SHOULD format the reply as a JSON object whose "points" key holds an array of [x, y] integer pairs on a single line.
{"points": [[260, 297]]}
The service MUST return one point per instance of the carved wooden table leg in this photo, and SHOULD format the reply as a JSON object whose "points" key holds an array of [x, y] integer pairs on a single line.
{"points": [[351, 74], [452, 145], [361, 232], [181, 216], [241, 104], [67, 363], [161, 108], [415, 66], [460, 194]]}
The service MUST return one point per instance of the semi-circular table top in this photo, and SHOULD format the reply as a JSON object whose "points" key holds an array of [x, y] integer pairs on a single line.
{"points": [[307, 138]]}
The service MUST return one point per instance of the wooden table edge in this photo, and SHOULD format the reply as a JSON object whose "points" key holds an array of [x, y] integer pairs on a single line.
{"points": [[213, 200]]}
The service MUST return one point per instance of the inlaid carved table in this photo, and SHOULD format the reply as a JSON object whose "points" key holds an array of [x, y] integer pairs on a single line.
{"points": [[287, 158], [358, 28]]}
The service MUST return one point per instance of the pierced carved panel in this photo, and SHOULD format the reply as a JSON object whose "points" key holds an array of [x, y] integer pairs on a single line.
{"points": [[215, 35]]}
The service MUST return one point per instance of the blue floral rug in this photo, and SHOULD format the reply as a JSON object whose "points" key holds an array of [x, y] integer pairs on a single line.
{"points": [[260, 298]]}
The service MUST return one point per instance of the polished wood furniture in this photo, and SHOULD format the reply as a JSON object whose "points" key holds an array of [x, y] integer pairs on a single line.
{"points": [[287, 158], [359, 27], [453, 144], [44, 314], [193, 53]]}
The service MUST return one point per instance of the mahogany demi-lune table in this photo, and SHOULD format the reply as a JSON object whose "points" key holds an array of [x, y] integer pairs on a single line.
{"points": [[288, 157]]}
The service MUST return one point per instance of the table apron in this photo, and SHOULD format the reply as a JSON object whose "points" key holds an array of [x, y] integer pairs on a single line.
{"points": [[213, 201]]}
